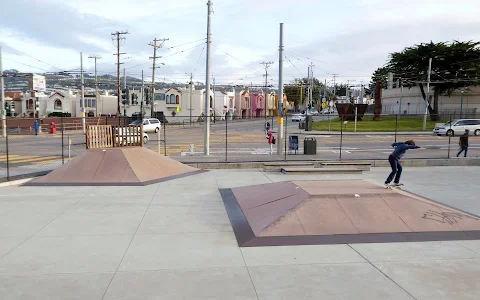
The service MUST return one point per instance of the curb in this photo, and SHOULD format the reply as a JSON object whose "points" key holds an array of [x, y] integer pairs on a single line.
{"points": [[15, 182], [436, 162]]}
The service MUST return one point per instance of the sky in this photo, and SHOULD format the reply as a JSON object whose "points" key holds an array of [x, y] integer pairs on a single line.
{"points": [[349, 38]]}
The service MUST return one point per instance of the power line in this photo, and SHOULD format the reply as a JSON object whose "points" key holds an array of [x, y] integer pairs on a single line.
{"points": [[33, 57]]}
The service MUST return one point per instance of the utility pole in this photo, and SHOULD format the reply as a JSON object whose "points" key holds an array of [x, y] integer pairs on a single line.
{"points": [[206, 146], [191, 97], [96, 82], [2, 98], [118, 38], [143, 97], [280, 94], [82, 96], [266, 65], [155, 47], [427, 95], [251, 107], [310, 92]]}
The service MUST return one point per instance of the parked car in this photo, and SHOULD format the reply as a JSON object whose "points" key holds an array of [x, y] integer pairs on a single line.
{"points": [[327, 111], [313, 112], [149, 125], [129, 137], [458, 127], [298, 118]]}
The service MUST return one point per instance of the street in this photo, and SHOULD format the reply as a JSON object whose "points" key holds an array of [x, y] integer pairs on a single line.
{"points": [[232, 141]]}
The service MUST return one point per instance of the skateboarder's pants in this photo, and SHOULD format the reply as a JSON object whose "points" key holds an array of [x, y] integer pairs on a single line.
{"points": [[396, 169]]}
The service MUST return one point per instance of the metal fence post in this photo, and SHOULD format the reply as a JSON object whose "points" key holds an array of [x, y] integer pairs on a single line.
{"points": [[449, 138], [158, 141], [165, 138], [396, 128], [63, 145], [341, 138], [285, 135], [226, 139], [8, 158]]}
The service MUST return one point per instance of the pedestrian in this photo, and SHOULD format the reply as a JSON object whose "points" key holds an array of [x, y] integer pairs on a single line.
{"points": [[35, 127], [271, 140], [463, 142], [394, 160]]}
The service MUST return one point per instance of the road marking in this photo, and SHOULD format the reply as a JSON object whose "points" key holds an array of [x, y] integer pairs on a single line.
{"points": [[17, 159]]}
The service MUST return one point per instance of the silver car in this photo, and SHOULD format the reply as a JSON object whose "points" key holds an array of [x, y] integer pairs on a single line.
{"points": [[458, 127]]}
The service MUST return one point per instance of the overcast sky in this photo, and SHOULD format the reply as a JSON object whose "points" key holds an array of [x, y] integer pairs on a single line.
{"points": [[350, 38]]}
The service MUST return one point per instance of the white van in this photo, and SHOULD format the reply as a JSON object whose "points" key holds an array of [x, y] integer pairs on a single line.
{"points": [[458, 127], [149, 125]]}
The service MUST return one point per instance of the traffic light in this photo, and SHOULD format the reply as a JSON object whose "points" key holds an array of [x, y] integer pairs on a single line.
{"points": [[134, 98], [147, 96], [7, 107]]}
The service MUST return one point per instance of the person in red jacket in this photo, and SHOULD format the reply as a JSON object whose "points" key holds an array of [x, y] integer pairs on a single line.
{"points": [[271, 140]]}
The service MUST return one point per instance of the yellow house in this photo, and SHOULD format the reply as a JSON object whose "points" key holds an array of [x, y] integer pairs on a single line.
{"points": [[286, 105]]}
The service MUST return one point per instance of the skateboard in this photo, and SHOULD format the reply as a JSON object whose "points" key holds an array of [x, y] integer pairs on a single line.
{"points": [[394, 187]]}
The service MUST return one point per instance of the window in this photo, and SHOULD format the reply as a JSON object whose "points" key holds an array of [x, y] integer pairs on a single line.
{"points": [[472, 122], [30, 104], [90, 103], [154, 121], [57, 105], [159, 97], [460, 123], [177, 100], [171, 99]]}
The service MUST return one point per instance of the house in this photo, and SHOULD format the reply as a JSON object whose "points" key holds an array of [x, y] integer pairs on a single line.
{"points": [[14, 102], [258, 104], [411, 101], [224, 103], [242, 103]]}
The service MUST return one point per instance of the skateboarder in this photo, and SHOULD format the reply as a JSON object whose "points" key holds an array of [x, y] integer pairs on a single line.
{"points": [[394, 160], [463, 142]]}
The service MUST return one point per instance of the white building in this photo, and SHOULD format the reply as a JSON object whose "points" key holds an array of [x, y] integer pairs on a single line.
{"points": [[412, 101], [224, 103]]}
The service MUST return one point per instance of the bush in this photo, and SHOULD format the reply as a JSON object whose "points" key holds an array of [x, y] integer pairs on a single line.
{"points": [[59, 114]]}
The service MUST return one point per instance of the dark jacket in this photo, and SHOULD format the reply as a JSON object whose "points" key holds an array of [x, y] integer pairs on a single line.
{"points": [[464, 140], [400, 149]]}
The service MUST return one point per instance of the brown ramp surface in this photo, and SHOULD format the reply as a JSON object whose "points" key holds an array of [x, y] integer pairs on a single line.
{"points": [[340, 212], [116, 166]]}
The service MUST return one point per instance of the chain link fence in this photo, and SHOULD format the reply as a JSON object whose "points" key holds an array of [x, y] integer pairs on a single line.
{"points": [[27, 151]]}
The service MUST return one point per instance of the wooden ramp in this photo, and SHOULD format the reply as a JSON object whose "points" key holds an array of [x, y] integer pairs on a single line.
{"points": [[116, 167]]}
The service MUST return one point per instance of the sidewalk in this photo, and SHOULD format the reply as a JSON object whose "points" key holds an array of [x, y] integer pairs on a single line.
{"points": [[174, 240]]}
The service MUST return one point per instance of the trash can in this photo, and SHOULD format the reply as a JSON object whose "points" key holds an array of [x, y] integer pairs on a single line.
{"points": [[308, 123], [310, 146]]}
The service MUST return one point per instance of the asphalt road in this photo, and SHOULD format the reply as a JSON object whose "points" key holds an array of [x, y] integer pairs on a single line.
{"points": [[244, 140]]}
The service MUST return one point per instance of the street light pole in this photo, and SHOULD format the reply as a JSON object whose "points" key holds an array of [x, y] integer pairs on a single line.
{"points": [[427, 94], [2, 98], [206, 146]]}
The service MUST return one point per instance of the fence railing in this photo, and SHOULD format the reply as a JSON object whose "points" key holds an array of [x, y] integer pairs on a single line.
{"points": [[25, 152]]}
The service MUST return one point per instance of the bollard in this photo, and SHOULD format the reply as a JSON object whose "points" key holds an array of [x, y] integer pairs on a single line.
{"points": [[192, 149]]}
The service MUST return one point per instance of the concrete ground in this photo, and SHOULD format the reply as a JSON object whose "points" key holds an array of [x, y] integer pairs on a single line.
{"points": [[173, 240]]}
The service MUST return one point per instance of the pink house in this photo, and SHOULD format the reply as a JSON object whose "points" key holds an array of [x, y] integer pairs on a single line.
{"points": [[258, 104]]}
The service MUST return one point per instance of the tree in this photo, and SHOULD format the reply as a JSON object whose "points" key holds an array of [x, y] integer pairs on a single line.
{"points": [[296, 91], [454, 65], [379, 76]]}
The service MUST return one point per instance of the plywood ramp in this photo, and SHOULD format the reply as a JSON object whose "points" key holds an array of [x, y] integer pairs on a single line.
{"points": [[116, 166]]}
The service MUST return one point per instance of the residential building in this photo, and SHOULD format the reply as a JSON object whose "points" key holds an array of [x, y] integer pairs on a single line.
{"points": [[258, 104], [242, 103], [224, 103], [271, 104]]}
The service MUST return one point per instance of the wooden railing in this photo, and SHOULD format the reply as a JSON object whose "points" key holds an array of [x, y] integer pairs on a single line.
{"points": [[108, 136]]}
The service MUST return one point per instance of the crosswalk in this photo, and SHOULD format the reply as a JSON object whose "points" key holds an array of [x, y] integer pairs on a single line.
{"points": [[28, 159]]}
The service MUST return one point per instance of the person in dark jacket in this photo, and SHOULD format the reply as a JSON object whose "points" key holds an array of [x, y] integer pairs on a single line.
{"points": [[463, 142], [394, 160]]}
